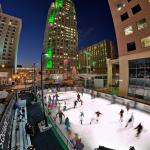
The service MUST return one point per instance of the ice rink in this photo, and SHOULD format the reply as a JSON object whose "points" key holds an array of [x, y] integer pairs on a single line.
{"points": [[109, 132]]}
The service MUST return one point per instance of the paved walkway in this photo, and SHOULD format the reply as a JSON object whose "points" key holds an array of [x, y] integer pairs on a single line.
{"points": [[45, 140]]}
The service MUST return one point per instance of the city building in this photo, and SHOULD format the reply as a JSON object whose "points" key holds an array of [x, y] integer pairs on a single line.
{"points": [[10, 28], [93, 58], [61, 37], [132, 26]]}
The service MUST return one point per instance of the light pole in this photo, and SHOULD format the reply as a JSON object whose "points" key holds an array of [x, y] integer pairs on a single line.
{"points": [[42, 95]]}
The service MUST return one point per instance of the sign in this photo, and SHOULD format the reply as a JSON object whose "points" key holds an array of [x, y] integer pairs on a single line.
{"points": [[6, 126]]}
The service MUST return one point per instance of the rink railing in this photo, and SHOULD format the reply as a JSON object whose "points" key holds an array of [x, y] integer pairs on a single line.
{"points": [[67, 142], [117, 99]]}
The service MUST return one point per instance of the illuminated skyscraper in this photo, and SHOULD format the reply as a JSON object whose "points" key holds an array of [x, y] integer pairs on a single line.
{"points": [[10, 28], [61, 37]]}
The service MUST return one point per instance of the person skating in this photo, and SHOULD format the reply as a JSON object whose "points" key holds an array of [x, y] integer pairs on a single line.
{"points": [[98, 113], [128, 107], [139, 129], [56, 96], [131, 119], [79, 145], [78, 97], [81, 117], [67, 123], [121, 114], [75, 104], [60, 114]]}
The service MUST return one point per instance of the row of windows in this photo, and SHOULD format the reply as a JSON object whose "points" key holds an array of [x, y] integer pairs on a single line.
{"points": [[141, 24], [145, 42], [134, 9]]}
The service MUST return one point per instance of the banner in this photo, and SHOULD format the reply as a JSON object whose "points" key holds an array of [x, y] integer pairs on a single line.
{"points": [[6, 126]]}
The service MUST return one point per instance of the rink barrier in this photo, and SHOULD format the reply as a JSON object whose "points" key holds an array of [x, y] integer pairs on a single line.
{"points": [[121, 100], [110, 97], [61, 134]]}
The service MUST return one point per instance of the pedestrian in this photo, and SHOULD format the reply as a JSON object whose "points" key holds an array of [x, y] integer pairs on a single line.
{"points": [[67, 123], [121, 114], [139, 129], [75, 104], [81, 117], [131, 119], [60, 114], [50, 99]]}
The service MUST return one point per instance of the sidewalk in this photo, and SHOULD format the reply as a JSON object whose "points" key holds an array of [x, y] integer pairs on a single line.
{"points": [[45, 140]]}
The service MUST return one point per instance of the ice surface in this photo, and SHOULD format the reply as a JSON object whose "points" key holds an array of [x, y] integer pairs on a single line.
{"points": [[109, 132]]}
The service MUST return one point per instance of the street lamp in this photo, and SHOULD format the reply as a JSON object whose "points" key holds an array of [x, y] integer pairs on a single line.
{"points": [[42, 95]]}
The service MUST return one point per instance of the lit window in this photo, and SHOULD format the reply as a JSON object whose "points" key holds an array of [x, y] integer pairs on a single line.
{"points": [[120, 6], [145, 41], [141, 24], [128, 30]]}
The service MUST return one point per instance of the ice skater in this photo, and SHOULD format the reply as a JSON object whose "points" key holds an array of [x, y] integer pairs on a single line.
{"points": [[131, 120], [78, 97], [81, 117], [121, 114], [56, 96], [128, 107], [139, 129], [60, 114], [75, 104], [67, 123], [98, 115]]}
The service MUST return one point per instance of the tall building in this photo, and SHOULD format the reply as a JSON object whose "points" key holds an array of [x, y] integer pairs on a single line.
{"points": [[93, 58], [10, 28], [61, 37], [132, 26], [0, 8]]}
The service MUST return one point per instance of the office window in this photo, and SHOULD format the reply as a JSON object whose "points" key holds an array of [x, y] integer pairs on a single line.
{"points": [[124, 16], [141, 24], [136, 9], [145, 41], [120, 6], [131, 46], [128, 30]]}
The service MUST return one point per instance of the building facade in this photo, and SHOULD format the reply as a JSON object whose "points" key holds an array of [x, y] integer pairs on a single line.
{"points": [[61, 37], [10, 28], [93, 58], [132, 26]]}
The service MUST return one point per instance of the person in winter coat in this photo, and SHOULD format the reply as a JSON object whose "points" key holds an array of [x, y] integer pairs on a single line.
{"points": [[121, 114], [67, 123], [56, 95], [81, 117], [139, 129], [131, 119], [78, 97], [75, 104], [98, 115], [60, 114], [79, 145]]}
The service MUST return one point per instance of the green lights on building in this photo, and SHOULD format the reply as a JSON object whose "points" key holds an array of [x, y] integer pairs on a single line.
{"points": [[59, 3], [49, 63], [78, 65]]}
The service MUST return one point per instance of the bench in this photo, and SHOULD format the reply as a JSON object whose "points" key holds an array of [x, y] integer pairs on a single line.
{"points": [[20, 139]]}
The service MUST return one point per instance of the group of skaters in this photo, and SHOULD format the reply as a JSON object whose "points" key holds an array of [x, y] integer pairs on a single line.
{"points": [[139, 127]]}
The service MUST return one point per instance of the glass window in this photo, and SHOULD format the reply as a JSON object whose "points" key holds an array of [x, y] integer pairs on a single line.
{"points": [[145, 41], [131, 46], [136, 9], [141, 24], [128, 30], [120, 6], [124, 16]]}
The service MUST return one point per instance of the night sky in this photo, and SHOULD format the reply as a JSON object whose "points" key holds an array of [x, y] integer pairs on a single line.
{"points": [[93, 16]]}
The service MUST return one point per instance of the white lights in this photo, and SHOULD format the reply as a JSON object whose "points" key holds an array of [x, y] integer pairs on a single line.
{"points": [[128, 30]]}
